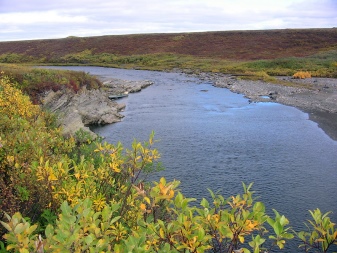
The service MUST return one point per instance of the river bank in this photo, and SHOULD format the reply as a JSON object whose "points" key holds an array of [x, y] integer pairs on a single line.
{"points": [[77, 111], [315, 96]]}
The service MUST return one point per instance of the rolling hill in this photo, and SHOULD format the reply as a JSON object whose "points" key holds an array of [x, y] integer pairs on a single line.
{"points": [[230, 45]]}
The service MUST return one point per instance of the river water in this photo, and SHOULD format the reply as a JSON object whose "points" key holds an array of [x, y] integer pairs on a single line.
{"points": [[213, 138]]}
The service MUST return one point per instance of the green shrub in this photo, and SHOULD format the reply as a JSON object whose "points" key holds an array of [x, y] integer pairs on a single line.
{"points": [[35, 81], [169, 224]]}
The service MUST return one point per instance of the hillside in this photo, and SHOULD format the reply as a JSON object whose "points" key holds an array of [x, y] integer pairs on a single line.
{"points": [[231, 45]]}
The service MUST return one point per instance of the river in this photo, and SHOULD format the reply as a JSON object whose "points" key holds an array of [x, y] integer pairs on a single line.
{"points": [[213, 138]]}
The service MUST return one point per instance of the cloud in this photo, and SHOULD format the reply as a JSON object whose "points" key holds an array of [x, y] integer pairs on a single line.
{"points": [[51, 17], [21, 19]]}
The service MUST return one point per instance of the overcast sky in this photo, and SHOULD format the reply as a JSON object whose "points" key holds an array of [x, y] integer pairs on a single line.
{"points": [[44, 19]]}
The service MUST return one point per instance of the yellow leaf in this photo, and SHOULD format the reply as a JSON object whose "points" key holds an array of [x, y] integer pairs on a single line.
{"points": [[241, 239], [10, 159], [114, 168], [147, 200], [161, 233], [52, 177], [216, 217]]}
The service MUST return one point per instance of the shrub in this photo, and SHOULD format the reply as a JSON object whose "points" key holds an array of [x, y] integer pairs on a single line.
{"points": [[166, 221], [39, 169], [35, 82], [25, 139], [302, 75]]}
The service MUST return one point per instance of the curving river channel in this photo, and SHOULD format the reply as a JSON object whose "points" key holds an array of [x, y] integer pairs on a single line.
{"points": [[213, 138]]}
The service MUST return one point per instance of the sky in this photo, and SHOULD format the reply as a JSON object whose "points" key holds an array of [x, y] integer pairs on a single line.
{"points": [[48, 19]]}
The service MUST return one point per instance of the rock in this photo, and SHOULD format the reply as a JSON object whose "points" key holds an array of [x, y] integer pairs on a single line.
{"points": [[77, 111], [118, 86]]}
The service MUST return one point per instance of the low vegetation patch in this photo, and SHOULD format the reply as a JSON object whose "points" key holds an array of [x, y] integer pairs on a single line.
{"points": [[302, 75], [319, 65], [35, 81]]}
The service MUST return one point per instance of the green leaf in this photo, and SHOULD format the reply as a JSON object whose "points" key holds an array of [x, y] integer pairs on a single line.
{"points": [[115, 219], [106, 213], [66, 209], [271, 222], [114, 207], [23, 251], [49, 232], [89, 239], [201, 234], [6, 226], [278, 228], [178, 200], [31, 229], [86, 212], [288, 236], [283, 220], [204, 203], [184, 204], [20, 228], [259, 207], [211, 193]]}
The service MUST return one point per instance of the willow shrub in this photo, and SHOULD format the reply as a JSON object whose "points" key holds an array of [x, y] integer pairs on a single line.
{"points": [[40, 169], [166, 221], [25, 138], [36, 81]]}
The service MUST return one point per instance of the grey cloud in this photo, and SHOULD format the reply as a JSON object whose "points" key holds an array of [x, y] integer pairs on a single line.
{"points": [[91, 18]]}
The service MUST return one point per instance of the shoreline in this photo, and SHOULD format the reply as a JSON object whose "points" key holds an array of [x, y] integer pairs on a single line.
{"points": [[315, 96], [320, 101], [79, 111]]}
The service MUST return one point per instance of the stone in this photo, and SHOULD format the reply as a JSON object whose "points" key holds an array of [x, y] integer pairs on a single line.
{"points": [[77, 111]]}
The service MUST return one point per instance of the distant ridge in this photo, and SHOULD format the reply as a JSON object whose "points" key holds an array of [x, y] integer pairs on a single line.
{"points": [[231, 45]]}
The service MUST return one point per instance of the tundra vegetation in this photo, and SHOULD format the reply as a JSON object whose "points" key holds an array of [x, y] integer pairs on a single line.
{"points": [[322, 64], [62, 195], [252, 54]]}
